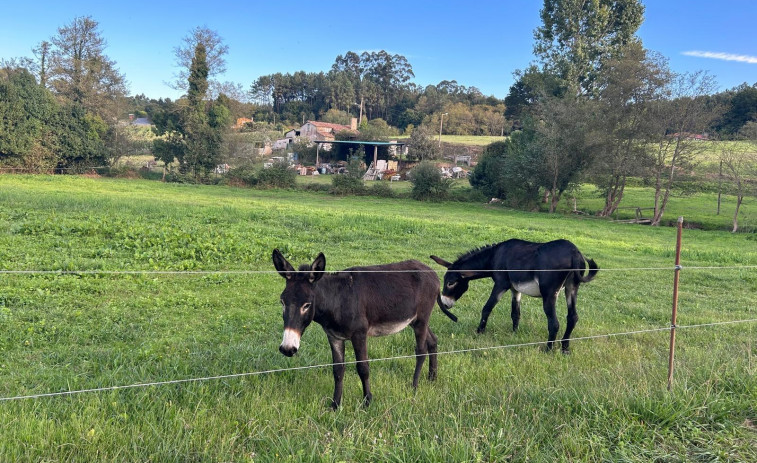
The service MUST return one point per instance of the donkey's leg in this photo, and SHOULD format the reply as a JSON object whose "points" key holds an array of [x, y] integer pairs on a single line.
{"points": [[549, 301], [515, 309], [360, 344], [431, 342], [494, 297], [337, 357], [571, 294], [421, 349]]}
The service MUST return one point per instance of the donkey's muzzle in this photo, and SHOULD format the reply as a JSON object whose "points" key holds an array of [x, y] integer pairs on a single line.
{"points": [[287, 350]]}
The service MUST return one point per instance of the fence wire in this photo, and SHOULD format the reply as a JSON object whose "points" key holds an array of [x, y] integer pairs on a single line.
{"points": [[262, 272], [354, 362]]}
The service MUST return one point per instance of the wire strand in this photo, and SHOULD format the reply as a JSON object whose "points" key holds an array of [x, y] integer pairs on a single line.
{"points": [[354, 362], [254, 272]]}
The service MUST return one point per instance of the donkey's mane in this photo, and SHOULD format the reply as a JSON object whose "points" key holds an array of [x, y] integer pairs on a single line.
{"points": [[475, 251]]}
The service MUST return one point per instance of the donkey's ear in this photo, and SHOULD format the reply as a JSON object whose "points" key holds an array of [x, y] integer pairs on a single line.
{"points": [[283, 266], [316, 270], [441, 261]]}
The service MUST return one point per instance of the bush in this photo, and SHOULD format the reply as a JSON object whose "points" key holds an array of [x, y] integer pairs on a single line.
{"points": [[508, 170], [347, 185], [242, 175], [382, 189], [428, 183], [278, 175]]}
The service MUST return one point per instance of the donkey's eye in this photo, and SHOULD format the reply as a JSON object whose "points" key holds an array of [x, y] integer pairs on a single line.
{"points": [[451, 284], [305, 307]]}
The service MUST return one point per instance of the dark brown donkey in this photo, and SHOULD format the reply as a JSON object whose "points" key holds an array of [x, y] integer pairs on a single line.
{"points": [[356, 303]]}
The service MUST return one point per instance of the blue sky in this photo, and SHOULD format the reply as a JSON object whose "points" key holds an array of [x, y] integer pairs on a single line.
{"points": [[477, 43]]}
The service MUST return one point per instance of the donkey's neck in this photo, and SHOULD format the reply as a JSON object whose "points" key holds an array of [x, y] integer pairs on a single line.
{"points": [[327, 292], [477, 261]]}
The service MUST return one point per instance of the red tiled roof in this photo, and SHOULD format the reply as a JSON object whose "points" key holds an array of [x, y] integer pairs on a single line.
{"points": [[329, 125]]}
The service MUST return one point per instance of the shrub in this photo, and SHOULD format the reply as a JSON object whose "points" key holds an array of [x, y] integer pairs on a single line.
{"points": [[382, 189], [508, 170], [347, 185], [242, 175], [428, 183], [278, 175]]}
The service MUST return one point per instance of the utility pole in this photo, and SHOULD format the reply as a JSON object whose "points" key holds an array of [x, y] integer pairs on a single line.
{"points": [[441, 124]]}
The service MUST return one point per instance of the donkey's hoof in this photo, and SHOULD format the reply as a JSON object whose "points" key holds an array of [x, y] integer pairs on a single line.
{"points": [[480, 329], [432, 376], [367, 399], [565, 351]]}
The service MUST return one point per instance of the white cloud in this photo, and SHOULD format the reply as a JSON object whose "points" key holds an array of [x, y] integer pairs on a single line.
{"points": [[722, 56]]}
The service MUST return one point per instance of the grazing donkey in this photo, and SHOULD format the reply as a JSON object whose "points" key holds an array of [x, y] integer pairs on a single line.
{"points": [[357, 303], [536, 269]]}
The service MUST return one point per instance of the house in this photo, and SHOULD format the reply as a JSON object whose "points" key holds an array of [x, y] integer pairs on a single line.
{"points": [[324, 131], [315, 131]]}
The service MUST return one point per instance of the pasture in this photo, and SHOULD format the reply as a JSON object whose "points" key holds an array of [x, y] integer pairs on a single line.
{"points": [[607, 401]]}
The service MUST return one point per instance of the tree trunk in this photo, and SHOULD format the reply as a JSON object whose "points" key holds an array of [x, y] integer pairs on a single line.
{"points": [[554, 201], [614, 196], [720, 183], [739, 199]]}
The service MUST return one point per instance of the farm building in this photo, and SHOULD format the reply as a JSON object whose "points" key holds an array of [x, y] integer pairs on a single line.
{"points": [[315, 131]]}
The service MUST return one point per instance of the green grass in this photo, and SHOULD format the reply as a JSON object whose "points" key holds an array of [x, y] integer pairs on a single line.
{"points": [[699, 209], [478, 140], [606, 402]]}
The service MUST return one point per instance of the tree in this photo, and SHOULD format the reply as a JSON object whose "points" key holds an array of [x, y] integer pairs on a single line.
{"points": [[215, 51], [508, 170], [28, 114], [679, 121], [80, 71], [428, 183], [576, 35], [42, 53], [567, 138], [627, 86], [740, 164], [742, 107], [529, 86], [421, 145], [193, 133], [336, 116]]}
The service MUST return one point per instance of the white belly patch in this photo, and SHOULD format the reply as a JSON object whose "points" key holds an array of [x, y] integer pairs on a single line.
{"points": [[384, 329], [530, 288]]}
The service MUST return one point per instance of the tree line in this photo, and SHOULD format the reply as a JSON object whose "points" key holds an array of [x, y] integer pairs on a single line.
{"points": [[598, 106], [595, 105]]}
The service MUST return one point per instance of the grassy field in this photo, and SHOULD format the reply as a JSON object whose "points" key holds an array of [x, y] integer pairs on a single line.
{"points": [[605, 402], [477, 140]]}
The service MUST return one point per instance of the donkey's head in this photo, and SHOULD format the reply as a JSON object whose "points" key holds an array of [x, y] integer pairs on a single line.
{"points": [[455, 282], [298, 298]]}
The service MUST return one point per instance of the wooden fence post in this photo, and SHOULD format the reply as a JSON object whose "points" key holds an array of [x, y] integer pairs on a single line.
{"points": [[675, 304]]}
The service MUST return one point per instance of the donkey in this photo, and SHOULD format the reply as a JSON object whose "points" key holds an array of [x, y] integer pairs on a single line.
{"points": [[536, 269], [355, 304]]}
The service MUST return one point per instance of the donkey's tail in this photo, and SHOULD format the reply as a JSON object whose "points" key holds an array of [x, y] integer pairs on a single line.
{"points": [[593, 270], [444, 309]]}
